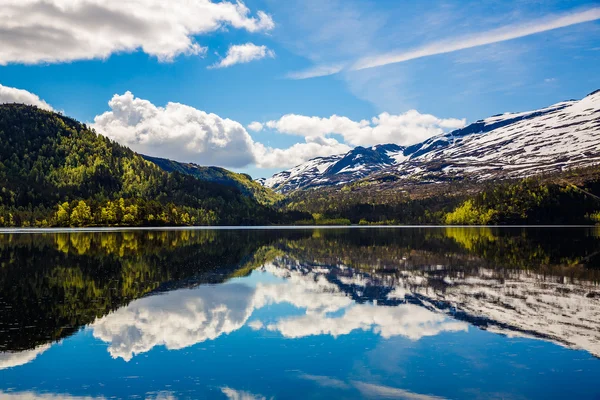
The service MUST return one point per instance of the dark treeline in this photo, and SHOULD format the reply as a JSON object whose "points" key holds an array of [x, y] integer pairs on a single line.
{"points": [[572, 197], [63, 281]]}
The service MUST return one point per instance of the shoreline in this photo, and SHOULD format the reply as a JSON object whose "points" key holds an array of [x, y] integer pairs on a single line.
{"points": [[273, 227]]}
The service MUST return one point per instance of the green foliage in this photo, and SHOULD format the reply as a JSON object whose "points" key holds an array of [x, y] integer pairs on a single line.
{"points": [[63, 281], [243, 182], [553, 200], [468, 214], [55, 171], [81, 214], [530, 201]]}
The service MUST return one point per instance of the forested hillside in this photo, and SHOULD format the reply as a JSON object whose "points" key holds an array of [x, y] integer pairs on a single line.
{"points": [[243, 182], [570, 197], [55, 171]]}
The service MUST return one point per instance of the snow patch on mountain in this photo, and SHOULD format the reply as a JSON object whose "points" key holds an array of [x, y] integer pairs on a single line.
{"points": [[510, 145]]}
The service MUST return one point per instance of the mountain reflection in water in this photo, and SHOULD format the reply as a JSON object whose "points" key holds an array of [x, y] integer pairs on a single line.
{"points": [[138, 291]]}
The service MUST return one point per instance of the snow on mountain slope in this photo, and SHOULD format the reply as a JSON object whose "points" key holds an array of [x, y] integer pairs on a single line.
{"points": [[300, 175], [357, 163], [562, 136], [515, 303], [512, 145]]}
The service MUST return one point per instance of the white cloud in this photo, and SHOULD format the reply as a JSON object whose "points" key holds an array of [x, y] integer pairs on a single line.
{"points": [[17, 358], [255, 126], [480, 39], [406, 320], [316, 72], [244, 53], [176, 131], [314, 146], [405, 129], [12, 95], [44, 396], [325, 381], [34, 31], [502, 34], [186, 134], [176, 319], [371, 390], [233, 394], [186, 317]]}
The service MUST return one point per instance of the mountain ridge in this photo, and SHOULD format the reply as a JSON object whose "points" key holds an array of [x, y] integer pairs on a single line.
{"points": [[55, 171], [242, 182], [562, 136]]}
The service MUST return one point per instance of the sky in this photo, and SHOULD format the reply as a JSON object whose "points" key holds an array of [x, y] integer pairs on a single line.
{"points": [[264, 85]]}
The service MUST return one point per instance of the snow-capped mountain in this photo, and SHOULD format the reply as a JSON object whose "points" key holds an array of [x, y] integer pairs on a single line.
{"points": [[514, 303], [322, 171], [511, 145]]}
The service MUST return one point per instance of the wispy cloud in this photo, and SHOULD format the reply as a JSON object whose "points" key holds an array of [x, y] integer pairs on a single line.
{"points": [[315, 72], [502, 34], [379, 391]]}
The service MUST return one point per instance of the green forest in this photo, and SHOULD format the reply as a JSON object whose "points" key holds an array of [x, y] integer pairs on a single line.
{"points": [[571, 197], [57, 172]]}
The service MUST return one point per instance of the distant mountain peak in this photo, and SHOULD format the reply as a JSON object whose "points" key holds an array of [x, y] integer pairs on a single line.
{"points": [[338, 169], [509, 145]]}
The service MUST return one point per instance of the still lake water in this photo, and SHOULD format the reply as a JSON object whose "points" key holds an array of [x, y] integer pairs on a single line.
{"points": [[406, 313]]}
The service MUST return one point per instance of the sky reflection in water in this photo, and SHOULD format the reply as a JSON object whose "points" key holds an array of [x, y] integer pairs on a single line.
{"points": [[407, 314]]}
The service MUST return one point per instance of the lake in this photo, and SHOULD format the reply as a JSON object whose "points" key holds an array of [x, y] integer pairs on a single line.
{"points": [[399, 313]]}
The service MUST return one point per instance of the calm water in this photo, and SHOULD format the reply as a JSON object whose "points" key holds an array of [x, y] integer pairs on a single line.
{"points": [[457, 313]]}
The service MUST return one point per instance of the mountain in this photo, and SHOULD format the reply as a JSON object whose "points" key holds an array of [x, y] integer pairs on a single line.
{"points": [[512, 145], [243, 182], [492, 299], [54, 171], [358, 163]]}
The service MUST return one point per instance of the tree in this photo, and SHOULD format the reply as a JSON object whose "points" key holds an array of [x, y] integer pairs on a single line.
{"points": [[63, 214], [81, 214]]}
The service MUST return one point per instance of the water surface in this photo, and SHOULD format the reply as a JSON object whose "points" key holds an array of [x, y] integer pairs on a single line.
{"points": [[407, 313]]}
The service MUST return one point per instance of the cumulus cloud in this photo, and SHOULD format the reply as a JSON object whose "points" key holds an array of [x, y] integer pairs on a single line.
{"points": [[255, 126], [406, 320], [175, 320], [17, 358], [314, 146], [186, 134], [12, 95], [34, 31], [405, 129], [176, 131], [244, 53], [186, 317]]}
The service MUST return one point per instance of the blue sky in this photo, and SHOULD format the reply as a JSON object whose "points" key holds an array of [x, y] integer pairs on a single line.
{"points": [[459, 61]]}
